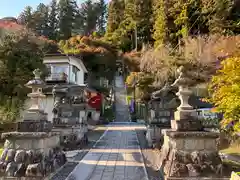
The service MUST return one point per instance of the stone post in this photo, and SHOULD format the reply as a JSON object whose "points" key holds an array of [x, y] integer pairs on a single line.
{"points": [[188, 152], [32, 151]]}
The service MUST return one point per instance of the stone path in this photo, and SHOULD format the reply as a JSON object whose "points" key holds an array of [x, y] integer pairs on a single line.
{"points": [[122, 114], [116, 156]]}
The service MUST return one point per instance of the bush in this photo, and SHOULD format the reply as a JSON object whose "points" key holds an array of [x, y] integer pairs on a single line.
{"points": [[225, 88], [109, 114]]}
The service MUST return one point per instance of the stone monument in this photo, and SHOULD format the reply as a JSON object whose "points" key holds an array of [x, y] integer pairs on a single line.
{"points": [[68, 103], [188, 152], [32, 151]]}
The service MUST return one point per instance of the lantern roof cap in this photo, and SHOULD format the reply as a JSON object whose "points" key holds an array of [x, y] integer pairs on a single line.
{"points": [[36, 82]]}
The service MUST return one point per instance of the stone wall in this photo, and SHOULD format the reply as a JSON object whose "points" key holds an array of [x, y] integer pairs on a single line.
{"points": [[31, 154]]}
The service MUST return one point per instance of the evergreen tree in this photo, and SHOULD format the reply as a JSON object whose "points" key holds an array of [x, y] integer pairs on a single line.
{"points": [[160, 25], [67, 14], [41, 18], [115, 15], [128, 27], [143, 17], [26, 18], [222, 16], [177, 19], [53, 21], [89, 15], [101, 9]]}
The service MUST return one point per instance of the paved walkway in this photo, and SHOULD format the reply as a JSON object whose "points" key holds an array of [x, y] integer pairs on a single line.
{"points": [[122, 114], [116, 156]]}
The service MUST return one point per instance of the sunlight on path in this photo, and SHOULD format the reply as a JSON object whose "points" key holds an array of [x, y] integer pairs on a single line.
{"points": [[116, 156]]}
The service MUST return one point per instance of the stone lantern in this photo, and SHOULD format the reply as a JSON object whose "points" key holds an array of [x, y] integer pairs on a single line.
{"points": [[185, 116], [36, 110], [189, 152], [32, 151]]}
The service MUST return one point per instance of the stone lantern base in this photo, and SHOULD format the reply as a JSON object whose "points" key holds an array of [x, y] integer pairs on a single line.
{"points": [[30, 154], [190, 155]]}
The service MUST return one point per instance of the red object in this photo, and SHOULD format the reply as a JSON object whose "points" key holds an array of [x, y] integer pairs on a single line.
{"points": [[95, 102], [10, 25]]}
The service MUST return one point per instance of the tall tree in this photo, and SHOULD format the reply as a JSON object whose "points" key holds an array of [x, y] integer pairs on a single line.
{"points": [[53, 21], [26, 18], [222, 16], [101, 21], [160, 25], [67, 14], [144, 21], [89, 12], [115, 15], [41, 19], [20, 53]]}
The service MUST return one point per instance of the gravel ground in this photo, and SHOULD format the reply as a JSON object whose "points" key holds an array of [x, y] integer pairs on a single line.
{"points": [[151, 157], [62, 173]]}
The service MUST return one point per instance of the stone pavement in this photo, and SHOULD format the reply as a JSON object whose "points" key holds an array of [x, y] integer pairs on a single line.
{"points": [[120, 94], [116, 156]]}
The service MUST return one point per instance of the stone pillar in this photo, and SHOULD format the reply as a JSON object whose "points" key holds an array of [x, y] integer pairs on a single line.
{"points": [[188, 152], [32, 150]]}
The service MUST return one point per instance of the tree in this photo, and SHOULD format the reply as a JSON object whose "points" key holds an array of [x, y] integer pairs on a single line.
{"points": [[144, 21], [26, 18], [221, 16], [53, 21], [98, 56], [102, 10], [225, 89], [20, 53], [67, 14], [89, 14], [124, 36], [142, 82], [115, 16], [225, 85], [41, 19]]}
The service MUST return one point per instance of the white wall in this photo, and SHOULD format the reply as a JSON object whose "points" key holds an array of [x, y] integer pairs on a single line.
{"points": [[70, 61], [80, 74]]}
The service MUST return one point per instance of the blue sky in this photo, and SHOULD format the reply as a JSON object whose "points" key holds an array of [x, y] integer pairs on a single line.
{"points": [[15, 7]]}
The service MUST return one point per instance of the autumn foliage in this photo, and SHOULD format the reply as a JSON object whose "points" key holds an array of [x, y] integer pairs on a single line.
{"points": [[225, 86], [10, 25], [86, 45]]}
